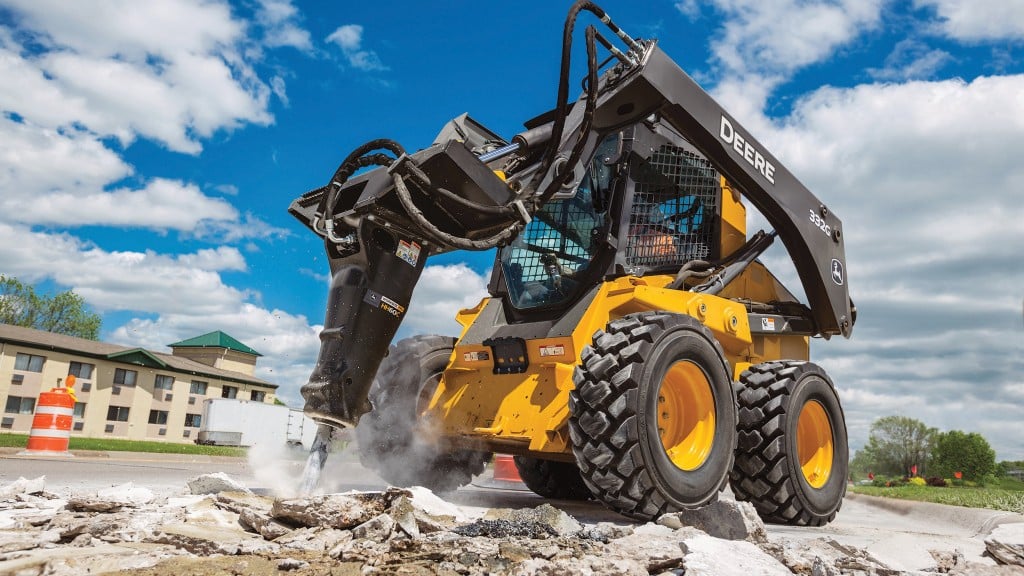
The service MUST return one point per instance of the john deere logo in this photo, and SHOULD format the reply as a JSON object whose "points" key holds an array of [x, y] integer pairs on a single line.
{"points": [[837, 272]]}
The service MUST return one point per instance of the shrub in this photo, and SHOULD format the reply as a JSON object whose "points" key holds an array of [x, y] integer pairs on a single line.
{"points": [[918, 481], [937, 482]]}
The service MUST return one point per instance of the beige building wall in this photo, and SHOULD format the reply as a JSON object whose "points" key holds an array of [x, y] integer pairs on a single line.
{"points": [[183, 402], [222, 358]]}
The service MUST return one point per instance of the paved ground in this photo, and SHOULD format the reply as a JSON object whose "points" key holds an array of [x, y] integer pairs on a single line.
{"points": [[898, 533]]}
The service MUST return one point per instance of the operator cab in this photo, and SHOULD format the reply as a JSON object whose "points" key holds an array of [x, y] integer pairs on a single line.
{"points": [[672, 196]]}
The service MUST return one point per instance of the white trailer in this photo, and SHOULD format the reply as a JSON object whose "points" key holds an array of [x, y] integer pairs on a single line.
{"points": [[232, 422]]}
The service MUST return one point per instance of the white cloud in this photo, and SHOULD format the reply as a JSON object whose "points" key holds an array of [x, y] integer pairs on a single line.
{"points": [[29, 153], [162, 204], [442, 291], [978, 20], [279, 19], [754, 40], [911, 60], [690, 8], [277, 84], [754, 52], [350, 39], [169, 71]]}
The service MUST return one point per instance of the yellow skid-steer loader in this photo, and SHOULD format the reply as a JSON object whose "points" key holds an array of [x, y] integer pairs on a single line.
{"points": [[633, 349]]}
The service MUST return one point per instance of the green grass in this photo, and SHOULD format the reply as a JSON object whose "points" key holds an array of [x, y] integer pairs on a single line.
{"points": [[993, 498], [113, 445]]}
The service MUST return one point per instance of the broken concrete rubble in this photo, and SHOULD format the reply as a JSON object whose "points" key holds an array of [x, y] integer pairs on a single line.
{"points": [[1006, 544], [407, 532], [214, 484], [725, 519]]}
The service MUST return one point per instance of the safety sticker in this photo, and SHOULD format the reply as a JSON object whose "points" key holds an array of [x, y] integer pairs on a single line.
{"points": [[408, 251], [768, 324], [552, 350], [476, 356]]}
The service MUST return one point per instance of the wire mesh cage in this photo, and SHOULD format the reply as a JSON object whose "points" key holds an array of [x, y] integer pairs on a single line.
{"points": [[554, 248], [675, 203]]}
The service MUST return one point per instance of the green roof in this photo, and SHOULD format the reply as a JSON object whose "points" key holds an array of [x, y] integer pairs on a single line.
{"points": [[138, 356], [216, 339]]}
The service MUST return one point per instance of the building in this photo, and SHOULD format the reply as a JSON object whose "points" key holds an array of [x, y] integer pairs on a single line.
{"points": [[128, 393]]}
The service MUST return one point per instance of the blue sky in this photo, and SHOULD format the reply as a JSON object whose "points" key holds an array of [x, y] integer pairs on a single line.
{"points": [[149, 150]]}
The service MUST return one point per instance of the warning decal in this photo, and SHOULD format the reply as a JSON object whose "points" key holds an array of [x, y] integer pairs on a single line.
{"points": [[552, 350], [408, 251]]}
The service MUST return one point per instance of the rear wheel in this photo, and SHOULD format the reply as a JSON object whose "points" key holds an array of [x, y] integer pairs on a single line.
{"points": [[393, 438], [653, 418], [792, 455], [551, 479]]}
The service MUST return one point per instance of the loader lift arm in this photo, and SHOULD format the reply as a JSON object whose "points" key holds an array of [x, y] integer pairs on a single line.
{"points": [[380, 226]]}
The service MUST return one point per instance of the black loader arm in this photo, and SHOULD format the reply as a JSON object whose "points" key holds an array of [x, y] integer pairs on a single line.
{"points": [[811, 232]]}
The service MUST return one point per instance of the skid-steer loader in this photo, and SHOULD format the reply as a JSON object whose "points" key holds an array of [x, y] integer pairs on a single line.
{"points": [[633, 348]]}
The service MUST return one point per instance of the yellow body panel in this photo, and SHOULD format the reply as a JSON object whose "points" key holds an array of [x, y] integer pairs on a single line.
{"points": [[529, 412]]}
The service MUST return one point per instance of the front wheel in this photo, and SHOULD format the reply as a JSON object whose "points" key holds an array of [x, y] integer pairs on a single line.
{"points": [[393, 438], [792, 455], [653, 418]]}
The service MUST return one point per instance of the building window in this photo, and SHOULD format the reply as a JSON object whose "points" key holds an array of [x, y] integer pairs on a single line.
{"points": [[163, 382], [198, 387], [81, 370], [258, 395], [117, 414], [79, 409], [158, 416], [193, 420], [19, 405], [29, 362], [229, 392], [125, 377]]}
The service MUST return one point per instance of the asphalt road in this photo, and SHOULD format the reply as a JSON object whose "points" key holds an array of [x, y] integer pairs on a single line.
{"points": [[898, 533]]}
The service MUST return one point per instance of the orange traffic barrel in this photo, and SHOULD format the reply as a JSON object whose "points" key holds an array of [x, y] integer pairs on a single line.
{"points": [[51, 424], [505, 468]]}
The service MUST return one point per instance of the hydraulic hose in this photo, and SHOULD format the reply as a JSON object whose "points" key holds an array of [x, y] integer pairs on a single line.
{"points": [[588, 119], [441, 237], [358, 158]]}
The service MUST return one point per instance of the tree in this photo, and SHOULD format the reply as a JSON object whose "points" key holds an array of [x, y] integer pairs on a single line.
{"points": [[63, 313], [897, 443], [957, 451]]}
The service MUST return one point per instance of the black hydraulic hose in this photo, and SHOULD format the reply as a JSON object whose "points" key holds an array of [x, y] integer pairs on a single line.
{"points": [[358, 158], [588, 120], [409, 167], [443, 238], [561, 106]]}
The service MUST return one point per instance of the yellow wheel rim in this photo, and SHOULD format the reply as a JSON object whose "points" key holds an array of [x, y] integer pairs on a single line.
{"points": [[686, 415], [814, 444]]}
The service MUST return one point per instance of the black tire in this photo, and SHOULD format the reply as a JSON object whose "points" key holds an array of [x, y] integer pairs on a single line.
{"points": [[551, 479], [768, 472], [393, 440], [615, 414]]}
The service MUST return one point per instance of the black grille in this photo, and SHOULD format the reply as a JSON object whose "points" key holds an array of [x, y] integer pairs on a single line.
{"points": [[541, 238], [675, 206]]}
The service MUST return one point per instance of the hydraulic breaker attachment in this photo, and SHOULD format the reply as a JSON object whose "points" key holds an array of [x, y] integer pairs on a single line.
{"points": [[369, 293], [379, 228]]}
